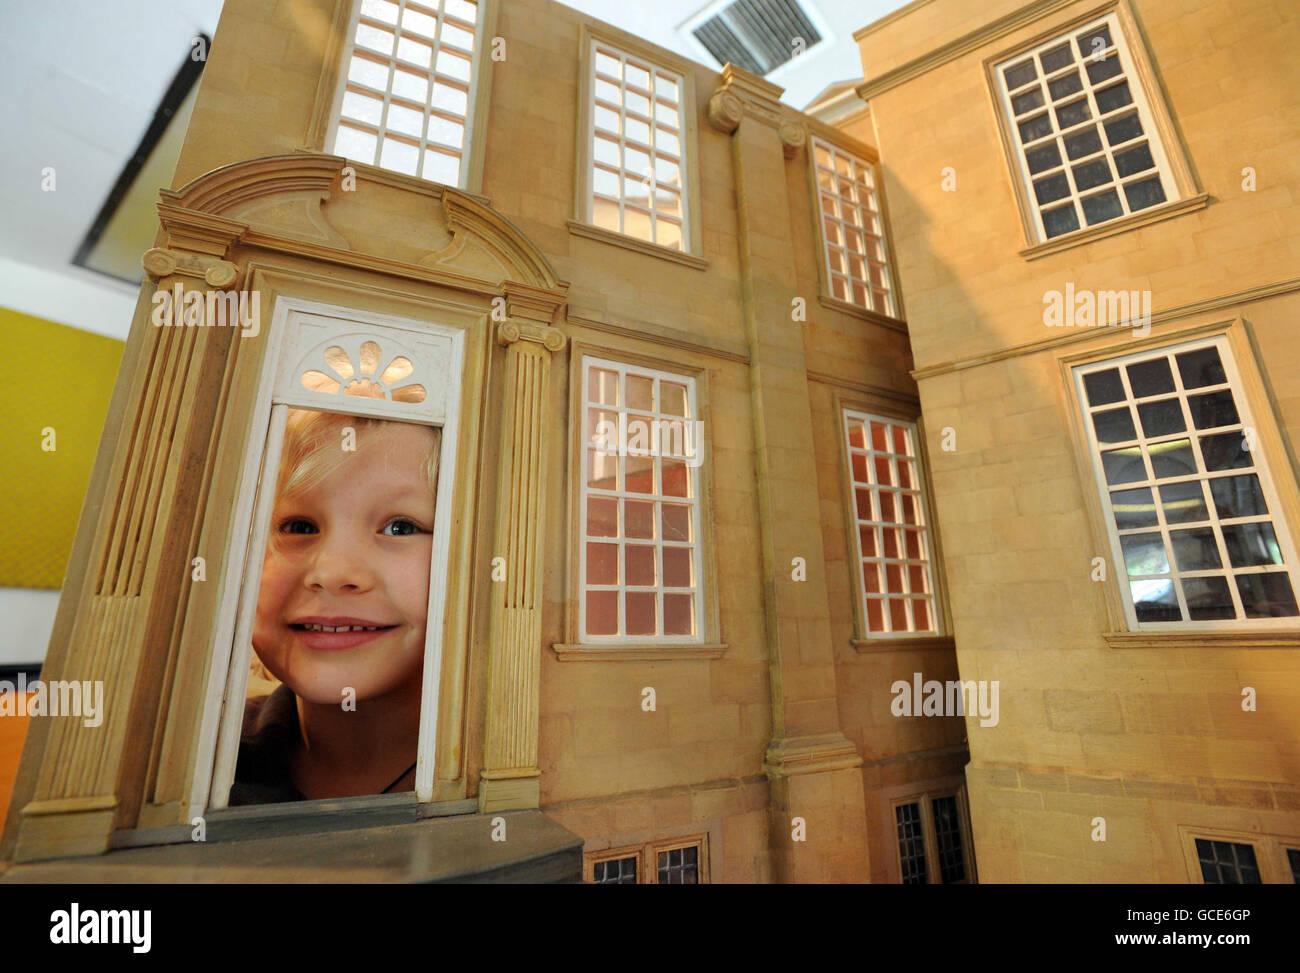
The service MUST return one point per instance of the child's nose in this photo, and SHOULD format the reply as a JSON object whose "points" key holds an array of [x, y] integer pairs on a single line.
{"points": [[338, 566]]}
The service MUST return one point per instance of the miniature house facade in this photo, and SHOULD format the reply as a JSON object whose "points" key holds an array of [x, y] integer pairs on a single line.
{"points": [[1132, 587], [670, 660]]}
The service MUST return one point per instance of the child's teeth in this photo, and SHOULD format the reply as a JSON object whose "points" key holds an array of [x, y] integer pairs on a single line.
{"points": [[342, 628]]}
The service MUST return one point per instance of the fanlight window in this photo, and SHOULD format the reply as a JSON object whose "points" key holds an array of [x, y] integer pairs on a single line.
{"points": [[343, 374]]}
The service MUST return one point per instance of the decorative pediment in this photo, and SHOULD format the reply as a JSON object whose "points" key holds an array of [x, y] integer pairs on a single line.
{"points": [[309, 198]]}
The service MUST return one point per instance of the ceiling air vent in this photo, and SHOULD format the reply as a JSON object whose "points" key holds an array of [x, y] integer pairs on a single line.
{"points": [[757, 35]]}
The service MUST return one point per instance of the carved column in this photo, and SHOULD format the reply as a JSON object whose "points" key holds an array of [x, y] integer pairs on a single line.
{"points": [[813, 768], [120, 607], [510, 777]]}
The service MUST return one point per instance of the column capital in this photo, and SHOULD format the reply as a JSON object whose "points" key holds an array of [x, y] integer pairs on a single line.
{"points": [[744, 93], [163, 262], [514, 330]]}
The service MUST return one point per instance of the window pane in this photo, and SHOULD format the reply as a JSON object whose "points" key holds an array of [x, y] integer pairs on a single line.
{"points": [[1238, 496], [1250, 545], [1098, 209], [1183, 503], [1196, 549], [1150, 378], [1208, 599], [911, 844], [1200, 368], [1133, 508], [1161, 418], [1267, 595]]}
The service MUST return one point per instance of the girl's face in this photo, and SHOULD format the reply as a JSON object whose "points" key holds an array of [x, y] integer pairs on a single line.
{"points": [[345, 581]]}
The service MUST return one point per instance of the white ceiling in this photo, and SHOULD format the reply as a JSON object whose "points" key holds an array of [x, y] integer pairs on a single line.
{"points": [[662, 22], [80, 81]]}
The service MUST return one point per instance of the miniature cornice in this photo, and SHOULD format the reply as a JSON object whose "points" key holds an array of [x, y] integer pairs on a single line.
{"points": [[502, 238], [239, 182], [744, 92]]}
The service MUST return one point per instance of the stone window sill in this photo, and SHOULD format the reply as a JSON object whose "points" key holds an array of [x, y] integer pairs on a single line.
{"points": [[447, 849], [637, 652], [1261, 639], [632, 243], [848, 307], [918, 644], [1145, 217]]}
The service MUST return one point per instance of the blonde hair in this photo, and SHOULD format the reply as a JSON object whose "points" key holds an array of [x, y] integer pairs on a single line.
{"points": [[312, 448]]}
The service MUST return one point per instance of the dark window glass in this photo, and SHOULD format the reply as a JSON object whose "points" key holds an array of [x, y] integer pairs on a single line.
{"points": [[1093, 41], [1238, 496], [1267, 595], [1226, 451], [1183, 503], [1061, 220], [1144, 554], [1103, 387], [1052, 188], [680, 866], [1065, 85], [1195, 549], [1043, 157], [1114, 426], [617, 871], [1150, 377], [1154, 600], [1123, 465], [1056, 58], [911, 844], [1200, 368], [1116, 96], [1251, 545], [1173, 458], [1019, 75], [1133, 508], [1099, 209], [1146, 192], [1227, 863], [1208, 599], [1120, 130], [1073, 113], [1134, 160], [1092, 174], [1214, 409], [947, 833], [1033, 129], [1027, 102], [1099, 71], [1162, 418], [1293, 859], [1083, 143]]}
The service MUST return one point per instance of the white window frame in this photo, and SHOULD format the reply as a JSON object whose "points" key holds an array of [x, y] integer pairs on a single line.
{"points": [[623, 369], [1276, 511], [300, 329], [924, 526], [831, 204], [1130, 73], [477, 63], [597, 45]]}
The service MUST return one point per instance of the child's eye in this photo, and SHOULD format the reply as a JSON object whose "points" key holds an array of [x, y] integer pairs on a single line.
{"points": [[296, 525], [402, 527]]}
